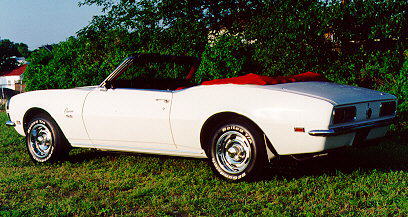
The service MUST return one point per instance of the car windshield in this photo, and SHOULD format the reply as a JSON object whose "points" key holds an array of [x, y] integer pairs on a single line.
{"points": [[155, 70], [152, 71]]}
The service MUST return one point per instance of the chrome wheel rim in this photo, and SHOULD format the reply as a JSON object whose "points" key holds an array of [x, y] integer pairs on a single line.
{"points": [[40, 141], [233, 152]]}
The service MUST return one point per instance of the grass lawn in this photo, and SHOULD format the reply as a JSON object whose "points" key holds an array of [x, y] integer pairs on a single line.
{"points": [[365, 181]]}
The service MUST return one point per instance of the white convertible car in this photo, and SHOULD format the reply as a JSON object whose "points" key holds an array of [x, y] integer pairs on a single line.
{"points": [[239, 127]]}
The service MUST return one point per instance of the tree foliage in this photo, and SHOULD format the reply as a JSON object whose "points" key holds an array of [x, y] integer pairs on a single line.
{"points": [[9, 49], [77, 61], [358, 42]]}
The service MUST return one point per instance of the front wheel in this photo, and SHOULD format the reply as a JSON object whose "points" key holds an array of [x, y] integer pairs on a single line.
{"points": [[238, 150], [45, 141]]}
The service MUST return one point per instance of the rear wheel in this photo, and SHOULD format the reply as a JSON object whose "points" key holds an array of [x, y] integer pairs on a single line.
{"points": [[45, 141], [237, 150]]}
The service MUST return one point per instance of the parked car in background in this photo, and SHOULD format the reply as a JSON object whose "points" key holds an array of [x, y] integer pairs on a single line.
{"points": [[239, 124], [7, 93]]}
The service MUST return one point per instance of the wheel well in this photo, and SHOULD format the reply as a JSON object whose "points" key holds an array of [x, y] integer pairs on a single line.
{"points": [[214, 120], [30, 114]]}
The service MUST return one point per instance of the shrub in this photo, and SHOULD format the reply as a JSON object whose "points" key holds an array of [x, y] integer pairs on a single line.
{"points": [[79, 61], [226, 56]]}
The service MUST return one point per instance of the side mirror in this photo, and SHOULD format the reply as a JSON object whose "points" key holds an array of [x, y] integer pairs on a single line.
{"points": [[108, 85]]}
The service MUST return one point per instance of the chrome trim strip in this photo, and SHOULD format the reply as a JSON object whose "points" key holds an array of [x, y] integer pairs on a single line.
{"points": [[118, 71], [10, 124], [377, 100], [351, 128], [133, 149]]}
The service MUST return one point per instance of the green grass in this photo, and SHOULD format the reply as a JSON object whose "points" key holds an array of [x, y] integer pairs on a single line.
{"points": [[366, 181]]}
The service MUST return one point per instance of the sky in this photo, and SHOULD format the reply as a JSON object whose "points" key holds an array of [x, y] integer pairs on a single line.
{"points": [[41, 22]]}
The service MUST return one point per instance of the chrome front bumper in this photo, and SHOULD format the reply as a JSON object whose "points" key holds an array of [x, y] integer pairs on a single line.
{"points": [[351, 128], [10, 124]]}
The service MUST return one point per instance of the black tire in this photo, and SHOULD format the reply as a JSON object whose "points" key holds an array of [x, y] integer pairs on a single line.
{"points": [[45, 141], [238, 141]]}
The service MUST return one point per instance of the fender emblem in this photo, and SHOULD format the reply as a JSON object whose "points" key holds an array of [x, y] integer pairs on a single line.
{"points": [[67, 113]]}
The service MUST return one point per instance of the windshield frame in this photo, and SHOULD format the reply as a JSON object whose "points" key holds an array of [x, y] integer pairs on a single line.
{"points": [[194, 62]]}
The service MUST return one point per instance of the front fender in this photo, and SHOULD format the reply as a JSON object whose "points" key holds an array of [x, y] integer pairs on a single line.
{"points": [[64, 106]]}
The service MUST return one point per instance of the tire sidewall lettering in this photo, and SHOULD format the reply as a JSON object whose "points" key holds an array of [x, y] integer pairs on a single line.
{"points": [[244, 132], [227, 175], [239, 129], [36, 122]]}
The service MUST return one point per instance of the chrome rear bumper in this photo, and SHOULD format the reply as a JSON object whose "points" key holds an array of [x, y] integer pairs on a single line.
{"points": [[351, 128]]}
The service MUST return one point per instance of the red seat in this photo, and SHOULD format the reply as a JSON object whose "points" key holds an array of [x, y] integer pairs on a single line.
{"points": [[266, 80]]}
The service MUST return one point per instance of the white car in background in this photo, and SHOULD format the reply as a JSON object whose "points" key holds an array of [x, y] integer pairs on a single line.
{"points": [[238, 127]]}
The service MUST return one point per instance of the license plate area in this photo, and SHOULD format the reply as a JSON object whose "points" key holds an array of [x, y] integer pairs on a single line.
{"points": [[361, 137]]}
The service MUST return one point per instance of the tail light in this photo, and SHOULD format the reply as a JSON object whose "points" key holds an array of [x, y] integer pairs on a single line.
{"points": [[388, 108], [344, 114]]}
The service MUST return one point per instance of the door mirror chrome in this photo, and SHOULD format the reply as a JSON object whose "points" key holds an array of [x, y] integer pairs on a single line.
{"points": [[108, 85]]}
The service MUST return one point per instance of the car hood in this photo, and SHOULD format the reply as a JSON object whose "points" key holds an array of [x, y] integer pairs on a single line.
{"points": [[336, 94]]}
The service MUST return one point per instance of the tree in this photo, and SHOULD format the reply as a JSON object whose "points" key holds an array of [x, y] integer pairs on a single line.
{"points": [[350, 42], [9, 49], [78, 61], [172, 26], [22, 50]]}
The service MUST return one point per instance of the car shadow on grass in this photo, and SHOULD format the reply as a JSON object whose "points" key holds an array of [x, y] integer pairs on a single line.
{"points": [[389, 155], [79, 155]]}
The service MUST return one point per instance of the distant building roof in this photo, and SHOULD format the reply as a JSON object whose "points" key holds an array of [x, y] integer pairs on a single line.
{"points": [[15, 72]]}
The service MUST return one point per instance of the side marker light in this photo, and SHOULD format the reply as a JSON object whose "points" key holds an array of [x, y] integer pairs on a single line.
{"points": [[299, 129]]}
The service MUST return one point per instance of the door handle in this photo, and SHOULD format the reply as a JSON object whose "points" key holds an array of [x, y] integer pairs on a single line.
{"points": [[163, 100]]}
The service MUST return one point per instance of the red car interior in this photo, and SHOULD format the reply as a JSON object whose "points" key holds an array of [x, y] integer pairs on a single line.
{"points": [[266, 80]]}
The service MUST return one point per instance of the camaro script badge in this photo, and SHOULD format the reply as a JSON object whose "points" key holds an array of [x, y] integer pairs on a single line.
{"points": [[68, 113]]}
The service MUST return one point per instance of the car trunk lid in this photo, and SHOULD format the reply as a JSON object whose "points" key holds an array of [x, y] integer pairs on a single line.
{"points": [[337, 94]]}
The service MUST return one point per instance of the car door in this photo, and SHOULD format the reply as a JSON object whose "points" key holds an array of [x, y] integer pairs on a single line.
{"points": [[126, 119]]}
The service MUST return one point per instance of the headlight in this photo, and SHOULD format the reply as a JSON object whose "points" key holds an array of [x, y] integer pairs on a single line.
{"points": [[388, 108], [344, 114]]}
